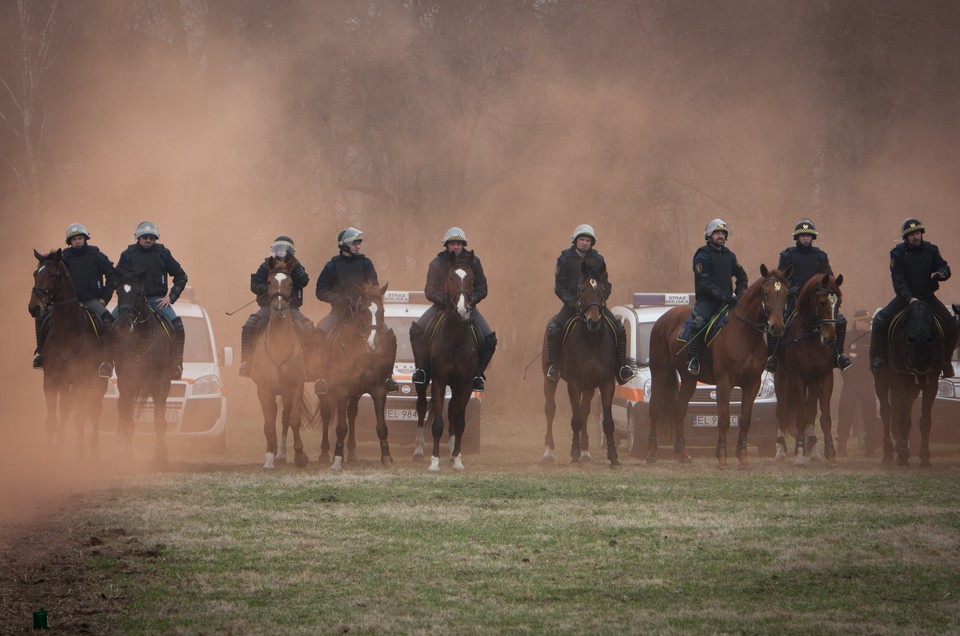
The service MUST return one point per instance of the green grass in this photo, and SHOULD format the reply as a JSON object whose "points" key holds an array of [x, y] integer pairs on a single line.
{"points": [[555, 549]]}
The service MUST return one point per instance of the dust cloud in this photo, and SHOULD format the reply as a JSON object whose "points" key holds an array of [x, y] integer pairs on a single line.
{"points": [[231, 123]]}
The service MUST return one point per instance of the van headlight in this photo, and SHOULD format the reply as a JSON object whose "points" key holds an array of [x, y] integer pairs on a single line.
{"points": [[206, 385], [647, 389], [767, 389], [946, 389]]}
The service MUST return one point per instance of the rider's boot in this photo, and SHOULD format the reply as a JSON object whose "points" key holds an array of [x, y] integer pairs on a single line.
{"points": [[179, 336], [316, 368], [418, 345], [483, 360], [390, 348], [106, 348], [624, 371], [772, 363], [841, 360], [949, 345], [38, 358], [247, 336], [878, 349], [553, 349], [693, 352]]}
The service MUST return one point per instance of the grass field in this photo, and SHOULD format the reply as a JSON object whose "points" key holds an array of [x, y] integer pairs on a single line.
{"points": [[511, 545]]}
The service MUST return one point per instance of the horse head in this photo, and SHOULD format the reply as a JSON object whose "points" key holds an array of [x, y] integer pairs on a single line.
{"points": [[819, 303], [773, 296], [368, 313], [279, 284], [460, 285], [51, 283], [592, 293], [923, 351], [132, 307]]}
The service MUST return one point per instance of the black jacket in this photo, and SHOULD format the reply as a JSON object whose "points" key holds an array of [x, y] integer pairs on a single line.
{"points": [[807, 261], [436, 287], [568, 273], [713, 269], [910, 269], [338, 281], [92, 273], [258, 283], [159, 263]]}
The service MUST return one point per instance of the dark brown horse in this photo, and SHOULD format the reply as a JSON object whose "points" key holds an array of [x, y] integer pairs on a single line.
{"points": [[453, 361], [143, 345], [805, 378], [588, 363], [278, 368], [361, 358], [71, 354], [911, 369], [738, 355]]}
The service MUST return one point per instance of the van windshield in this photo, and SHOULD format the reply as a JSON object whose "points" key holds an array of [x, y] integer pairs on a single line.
{"points": [[197, 346]]}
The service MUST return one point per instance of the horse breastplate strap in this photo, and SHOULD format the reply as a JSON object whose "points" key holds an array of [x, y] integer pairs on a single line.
{"points": [[570, 324], [903, 312]]}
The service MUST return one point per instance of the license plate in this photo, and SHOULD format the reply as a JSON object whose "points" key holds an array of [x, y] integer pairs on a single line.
{"points": [[711, 420], [172, 416], [402, 414]]}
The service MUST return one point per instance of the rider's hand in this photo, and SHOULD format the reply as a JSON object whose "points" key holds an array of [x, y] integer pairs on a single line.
{"points": [[163, 302], [938, 275]]}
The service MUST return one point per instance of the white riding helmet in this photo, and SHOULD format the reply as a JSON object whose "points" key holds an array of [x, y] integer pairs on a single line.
{"points": [[454, 234], [583, 230], [349, 236], [281, 246], [77, 229], [146, 228], [713, 226]]}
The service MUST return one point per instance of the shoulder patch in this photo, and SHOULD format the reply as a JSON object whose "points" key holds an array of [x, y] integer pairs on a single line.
{"points": [[698, 268]]}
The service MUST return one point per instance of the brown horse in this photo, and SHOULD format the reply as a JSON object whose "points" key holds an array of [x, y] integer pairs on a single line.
{"points": [[738, 355], [805, 377], [143, 349], [361, 358], [911, 369], [71, 354], [588, 364], [279, 367], [453, 361]]}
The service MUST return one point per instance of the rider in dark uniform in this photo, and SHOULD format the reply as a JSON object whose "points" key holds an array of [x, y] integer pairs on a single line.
{"points": [[146, 255], [454, 241], [282, 248], [807, 261], [92, 275], [916, 269], [713, 267], [566, 279], [337, 285]]}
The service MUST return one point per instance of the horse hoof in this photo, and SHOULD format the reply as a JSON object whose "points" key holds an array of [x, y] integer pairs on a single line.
{"points": [[547, 459], [925, 464], [386, 460], [685, 459], [352, 458], [281, 459], [458, 463], [614, 464], [434, 465], [337, 464], [301, 460], [651, 460], [417, 457], [268, 461], [781, 455], [575, 461], [324, 458]]}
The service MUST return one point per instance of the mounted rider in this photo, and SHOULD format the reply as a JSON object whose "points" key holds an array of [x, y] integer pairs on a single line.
{"points": [[916, 269], [337, 285], [146, 255], [566, 286], [282, 248], [714, 265], [807, 261], [92, 274], [454, 241]]}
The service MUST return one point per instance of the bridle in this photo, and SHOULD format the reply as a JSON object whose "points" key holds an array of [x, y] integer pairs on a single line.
{"points": [[596, 287], [45, 295], [139, 310], [461, 300], [764, 326]]}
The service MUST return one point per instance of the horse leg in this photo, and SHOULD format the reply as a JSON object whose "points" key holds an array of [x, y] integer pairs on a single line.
{"points": [[606, 401], [928, 395], [665, 381], [353, 405], [341, 401], [284, 427], [785, 416], [826, 419], [585, 399], [881, 387], [125, 420], [421, 417], [458, 421], [326, 412], [292, 403], [95, 411], [550, 412], [379, 396], [52, 397], [576, 421], [901, 419], [679, 414], [749, 394], [160, 461], [437, 399], [268, 404]]}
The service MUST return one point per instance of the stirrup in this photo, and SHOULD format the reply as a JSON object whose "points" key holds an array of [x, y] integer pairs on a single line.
{"points": [[948, 370], [38, 361], [553, 373], [625, 374], [244, 369], [478, 383], [177, 373], [320, 387], [694, 366], [843, 362], [772, 364], [105, 370], [392, 386], [876, 365], [419, 376]]}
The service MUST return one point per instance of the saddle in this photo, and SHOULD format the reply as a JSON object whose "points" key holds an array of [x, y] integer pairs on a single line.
{"points": [[434, 327], [714, 325], [99, 328], [895, 321], [568, 329]]}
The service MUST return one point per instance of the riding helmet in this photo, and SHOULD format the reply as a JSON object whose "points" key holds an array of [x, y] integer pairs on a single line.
{"points": [[910, 226], [584, 230], [454, 234], [349, 236], [77, 229], [147, 228], [714, 226], [804, 226], [282, 244]]}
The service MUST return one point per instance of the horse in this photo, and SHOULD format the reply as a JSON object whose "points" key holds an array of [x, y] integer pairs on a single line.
{"points": [[805, 378], [143, 350], [279, 366], [71, 354], [454, 350], [361, 358], [588, 364], [911, 368], [739, 355]]}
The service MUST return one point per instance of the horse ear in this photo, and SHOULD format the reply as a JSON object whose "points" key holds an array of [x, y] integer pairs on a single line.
{"points": [[383, 290], [38, 255], [788, 274], [839, 280], [60, 254], [764, 272]]}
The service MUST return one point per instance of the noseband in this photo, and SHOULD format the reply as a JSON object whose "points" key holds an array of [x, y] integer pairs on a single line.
{"points": [[765, 325]]}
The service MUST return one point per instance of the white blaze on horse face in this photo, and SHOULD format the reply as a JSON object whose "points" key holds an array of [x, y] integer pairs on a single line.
{"points": [[372, 338], [593, 283], [462, 300], [280, 277], [42, 267], [127, 288], [833, 305]]}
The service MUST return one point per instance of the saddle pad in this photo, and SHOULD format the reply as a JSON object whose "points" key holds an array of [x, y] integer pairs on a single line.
{"points": [[713, 327]]}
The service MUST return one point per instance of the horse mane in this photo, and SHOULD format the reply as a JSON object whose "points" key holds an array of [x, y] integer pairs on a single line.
{"points": [[593, 267]]}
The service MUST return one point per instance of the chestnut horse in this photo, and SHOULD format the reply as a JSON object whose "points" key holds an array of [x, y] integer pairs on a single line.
{"points": [[453, 362], [143, 345], [805, 377], [588, 364], [278, 368], [361, 358], [71, 354], [911, 369], [738, 356]]}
